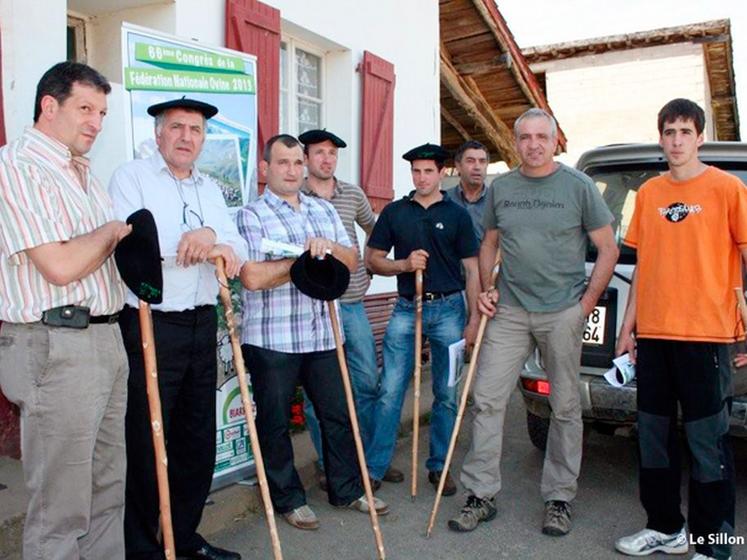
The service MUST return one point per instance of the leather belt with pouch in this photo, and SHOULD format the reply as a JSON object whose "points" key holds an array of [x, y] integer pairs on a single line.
{"points": [[75, 317]]}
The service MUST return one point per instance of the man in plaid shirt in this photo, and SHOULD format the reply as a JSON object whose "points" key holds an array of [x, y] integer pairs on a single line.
{"points": [[287, 337]]}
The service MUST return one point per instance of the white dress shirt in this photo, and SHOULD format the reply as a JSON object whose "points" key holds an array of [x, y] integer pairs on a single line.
{"points": [[178, 206]]}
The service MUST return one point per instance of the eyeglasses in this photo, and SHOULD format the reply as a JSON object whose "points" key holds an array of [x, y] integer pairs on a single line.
{"points": [[188, 216]]}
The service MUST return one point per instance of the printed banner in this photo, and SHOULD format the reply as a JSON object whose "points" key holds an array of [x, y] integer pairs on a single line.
{"points": [[158, 68]]}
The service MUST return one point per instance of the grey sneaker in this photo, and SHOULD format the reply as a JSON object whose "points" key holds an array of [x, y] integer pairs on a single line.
{"points": [[648, 541], [475, 510], [557, 518]]}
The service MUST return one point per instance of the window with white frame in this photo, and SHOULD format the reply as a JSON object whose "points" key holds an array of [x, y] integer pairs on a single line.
{"points": [[301, 87]]}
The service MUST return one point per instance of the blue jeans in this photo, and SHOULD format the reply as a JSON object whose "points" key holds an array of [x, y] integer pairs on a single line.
{"points": [[443, 324], [360, 352]]}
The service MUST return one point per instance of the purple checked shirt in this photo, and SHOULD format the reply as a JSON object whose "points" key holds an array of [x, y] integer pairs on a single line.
{"points": [[282, 318]]}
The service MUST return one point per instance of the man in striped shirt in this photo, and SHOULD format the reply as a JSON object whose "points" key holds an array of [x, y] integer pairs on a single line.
{"points": [[61, 359], [320, 151], [287, 337]]}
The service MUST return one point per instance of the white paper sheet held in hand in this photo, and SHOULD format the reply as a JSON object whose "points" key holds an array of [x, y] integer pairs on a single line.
{"points": [[456, 361], [279, 248], [622, 373]]}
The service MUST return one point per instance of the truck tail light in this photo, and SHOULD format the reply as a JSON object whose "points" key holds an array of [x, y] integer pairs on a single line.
{"points": [[538, 386]]}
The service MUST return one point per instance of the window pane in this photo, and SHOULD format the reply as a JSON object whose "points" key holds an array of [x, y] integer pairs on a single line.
{"points": [[309, 115], [283, 66], [308, 74], [72, 55], [284, 117]]}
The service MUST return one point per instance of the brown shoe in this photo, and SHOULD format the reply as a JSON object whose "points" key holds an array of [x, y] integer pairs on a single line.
{"points": [[393, 475], [302, 518], [449, 484]]}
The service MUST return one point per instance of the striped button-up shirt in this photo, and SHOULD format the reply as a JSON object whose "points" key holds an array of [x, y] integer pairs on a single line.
{"points": [[353, 207], [42, 200], [282, 318]]}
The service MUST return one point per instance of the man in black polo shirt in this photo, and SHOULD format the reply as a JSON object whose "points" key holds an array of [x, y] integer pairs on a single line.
{"points": [[429, 232]]}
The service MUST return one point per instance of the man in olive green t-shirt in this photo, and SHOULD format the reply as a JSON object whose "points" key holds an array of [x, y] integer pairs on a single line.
{"points": [[540, 215]]}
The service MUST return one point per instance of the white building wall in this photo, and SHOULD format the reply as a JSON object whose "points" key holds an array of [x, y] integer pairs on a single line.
{"points": [[615, 97], [404, 33], [33, 39]]}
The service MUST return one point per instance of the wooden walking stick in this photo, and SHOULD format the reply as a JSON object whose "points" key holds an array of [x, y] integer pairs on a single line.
{"points": [[356, 431], [138, 258], [238, 362], [416, 380], [463, 401], [156, 424]]}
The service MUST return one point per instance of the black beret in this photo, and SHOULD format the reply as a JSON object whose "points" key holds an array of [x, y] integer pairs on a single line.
{"points": [[324, 279], [205, 108], [316, 136], [427, 151], [138, 258]]}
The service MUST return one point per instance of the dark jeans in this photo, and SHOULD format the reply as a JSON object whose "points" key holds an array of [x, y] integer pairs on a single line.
{"points": [[275, 376], [187, 371], [698, 376]]}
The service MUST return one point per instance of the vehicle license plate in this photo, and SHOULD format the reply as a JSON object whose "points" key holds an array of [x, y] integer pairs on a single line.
{"points": [[595, 323]]}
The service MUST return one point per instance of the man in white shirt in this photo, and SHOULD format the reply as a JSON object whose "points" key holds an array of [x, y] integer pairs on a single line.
{"points": [[194, 227]]}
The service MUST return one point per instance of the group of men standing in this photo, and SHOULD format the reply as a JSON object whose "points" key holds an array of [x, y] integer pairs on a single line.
{"points": [[72, 359]]}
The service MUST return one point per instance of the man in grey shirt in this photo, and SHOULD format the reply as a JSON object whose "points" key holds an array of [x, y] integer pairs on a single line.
{"points": [[471, 162], [539, 214]]}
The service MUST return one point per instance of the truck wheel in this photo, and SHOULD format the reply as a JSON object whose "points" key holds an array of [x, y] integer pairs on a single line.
{"points": [[538, 428]]}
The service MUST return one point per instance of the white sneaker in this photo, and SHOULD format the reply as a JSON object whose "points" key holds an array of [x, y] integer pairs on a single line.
{"points": [[361, 504], [649, 541], [699, 556]]}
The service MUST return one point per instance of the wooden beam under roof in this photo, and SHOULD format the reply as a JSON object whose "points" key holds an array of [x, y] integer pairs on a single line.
{"points": [[452, 120], [466, 93]]}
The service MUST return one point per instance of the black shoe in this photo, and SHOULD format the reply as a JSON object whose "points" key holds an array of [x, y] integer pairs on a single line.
{"points": [[557, 518], [449, 485], [209, 552], [393, 475]]}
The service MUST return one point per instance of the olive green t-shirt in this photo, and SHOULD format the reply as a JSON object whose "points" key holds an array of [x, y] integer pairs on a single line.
{"points": [[542, 223]]}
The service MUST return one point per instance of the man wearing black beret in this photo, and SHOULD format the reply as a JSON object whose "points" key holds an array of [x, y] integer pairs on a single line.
{"points": [[194, 227], [429, 232], [351, 203]]}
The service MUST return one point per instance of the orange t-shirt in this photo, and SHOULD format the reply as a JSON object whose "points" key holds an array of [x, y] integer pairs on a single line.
{"points": [[688, 236]]}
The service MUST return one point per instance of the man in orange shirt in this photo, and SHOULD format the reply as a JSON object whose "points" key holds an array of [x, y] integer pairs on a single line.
{"points": [[690, 232]]}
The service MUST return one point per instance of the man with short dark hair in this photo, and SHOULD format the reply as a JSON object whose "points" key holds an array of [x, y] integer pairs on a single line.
{"points": [[62, 360], [471, 162], [287, 337], [689, 230], [539, 214], [194, 228], [430, 233]]}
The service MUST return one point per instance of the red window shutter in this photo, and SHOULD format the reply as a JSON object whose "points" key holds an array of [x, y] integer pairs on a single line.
{"points": [[377, 130], [254, 28], [10, 423]]}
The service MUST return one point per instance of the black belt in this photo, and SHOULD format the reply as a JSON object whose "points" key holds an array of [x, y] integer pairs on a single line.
{"points": [[104, 319], [432, 296]]}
